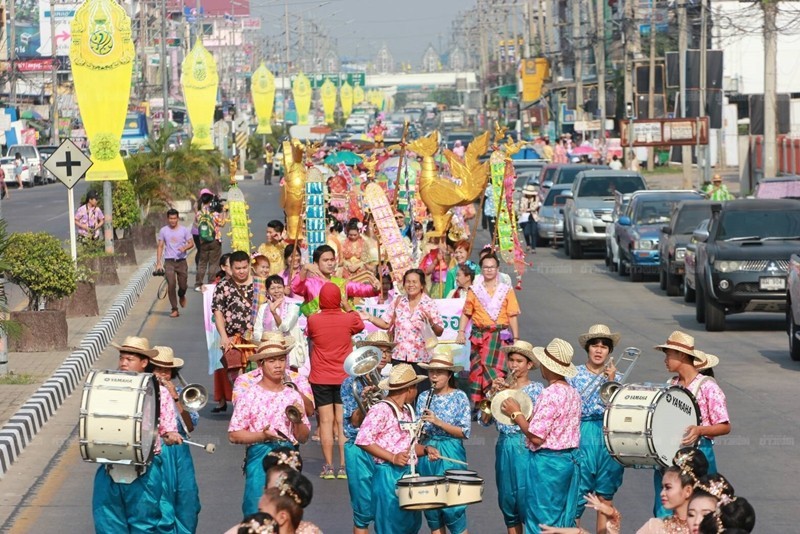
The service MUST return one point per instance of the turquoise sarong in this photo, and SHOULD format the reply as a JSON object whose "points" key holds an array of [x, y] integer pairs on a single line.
{"points": [[706, 446], [180, 502], [254, 476], [453, 517], [600, 473], [553, 479], [129, 508], [360, 471], [511, 473], [389, 518]]}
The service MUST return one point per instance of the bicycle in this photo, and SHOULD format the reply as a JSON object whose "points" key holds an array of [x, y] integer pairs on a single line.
{"points": [[162, 288]]}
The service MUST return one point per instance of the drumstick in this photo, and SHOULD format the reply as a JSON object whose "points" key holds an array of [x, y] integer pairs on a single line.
{"points": [[452, 460], [209, 448]]}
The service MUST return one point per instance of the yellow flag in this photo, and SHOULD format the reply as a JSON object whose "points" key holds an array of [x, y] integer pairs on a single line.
{"points": [[301, 90], [263, 89], [346, 97], [101, 53], [200, 80], [328, 92], [358, 95]]}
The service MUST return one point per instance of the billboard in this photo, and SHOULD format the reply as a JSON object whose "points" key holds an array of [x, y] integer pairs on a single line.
{"points": [[32, 27]]}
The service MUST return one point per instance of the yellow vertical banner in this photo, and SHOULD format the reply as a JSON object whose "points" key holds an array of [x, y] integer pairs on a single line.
{"points": [[346, 98], [200, 80], [301, 91], [358, 95], [328, 92], [101, 53], [262, 88]]}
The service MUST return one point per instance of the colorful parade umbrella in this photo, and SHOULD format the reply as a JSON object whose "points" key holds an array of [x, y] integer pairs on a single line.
{"points": [[526, 153], [583, 151], [345, 156]]}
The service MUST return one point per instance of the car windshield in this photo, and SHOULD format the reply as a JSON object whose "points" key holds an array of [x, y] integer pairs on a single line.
{"points": [[552, 195], [690, 218], [26, 151], [566, 175], [547, 173], [654, 211], [759, 224], [605, 186]]}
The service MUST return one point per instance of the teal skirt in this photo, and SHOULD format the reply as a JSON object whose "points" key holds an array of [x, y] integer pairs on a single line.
{"points": [[511, 472], [453, 517], [254, 476], [131, 508], [553, 478], [180, 502], [600, 473], [389, 518], [360, 472], [706, 446]]}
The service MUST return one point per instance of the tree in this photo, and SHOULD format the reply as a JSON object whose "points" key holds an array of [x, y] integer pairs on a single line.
{"points": [[40, 266]]}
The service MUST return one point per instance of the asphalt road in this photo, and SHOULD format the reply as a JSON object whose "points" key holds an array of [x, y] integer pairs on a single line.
{"points": [[561, 298]]}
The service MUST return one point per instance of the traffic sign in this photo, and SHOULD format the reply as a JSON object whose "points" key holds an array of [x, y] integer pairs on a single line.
{"points": [[68, 163]]}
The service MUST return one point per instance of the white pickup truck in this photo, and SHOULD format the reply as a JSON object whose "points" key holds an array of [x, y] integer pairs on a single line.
{"points": [[30, 155]]}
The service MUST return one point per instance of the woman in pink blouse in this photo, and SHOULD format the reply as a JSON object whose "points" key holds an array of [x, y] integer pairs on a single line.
{"points": [[553, 437]]}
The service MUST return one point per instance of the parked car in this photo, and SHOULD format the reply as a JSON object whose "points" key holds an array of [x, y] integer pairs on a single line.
{"points": [[741, 264], [689, 262], [464, 136], [589, 206], [546, 177], [30, 155], [7, 164], [673, 241], [793, 307], [566, 174], [45, 152], [638, 230], [551, 215], [781, 187], [612, 247]]}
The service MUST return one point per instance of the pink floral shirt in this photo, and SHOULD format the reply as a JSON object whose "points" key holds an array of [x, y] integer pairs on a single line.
{"points": [[710, 399], [258, 408], [409, 327], [382, 428], [246, 381], [557, 418], [167, 420]]}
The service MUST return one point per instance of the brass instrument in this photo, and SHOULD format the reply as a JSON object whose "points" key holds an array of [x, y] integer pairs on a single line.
{"points": [[193, 397], [293, 413], [629, 357], [485, 405], [362, 364], [492, 404]]}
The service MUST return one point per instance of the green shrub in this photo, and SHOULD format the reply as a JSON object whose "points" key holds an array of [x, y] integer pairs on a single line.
{"points": [[40, 266], [126, 208], [251, 166]]}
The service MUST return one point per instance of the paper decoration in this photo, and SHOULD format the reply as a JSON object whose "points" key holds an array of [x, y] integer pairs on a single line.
{"points": [[200, 81], [391, 240], [316, 231], [263, 92]]}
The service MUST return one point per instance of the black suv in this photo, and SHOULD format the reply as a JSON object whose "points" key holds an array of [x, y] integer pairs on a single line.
{"points": [[672, 245], [742, 262]]}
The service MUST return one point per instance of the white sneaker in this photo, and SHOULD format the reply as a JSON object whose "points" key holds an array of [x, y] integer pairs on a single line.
{"points": [[198, 289]]}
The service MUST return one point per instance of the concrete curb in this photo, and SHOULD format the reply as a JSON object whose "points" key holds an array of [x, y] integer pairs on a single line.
{"points": [[23, 426]]}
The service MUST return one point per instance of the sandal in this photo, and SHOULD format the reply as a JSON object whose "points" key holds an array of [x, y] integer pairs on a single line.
{"points": [[327, 472], [341, 473]]}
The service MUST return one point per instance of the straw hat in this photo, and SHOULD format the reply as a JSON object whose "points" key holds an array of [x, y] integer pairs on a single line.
{"points": [[166, 358], [376, 339], [273, 344], [529, 189], [443, 359], [520, 347], [401, 377], [557, 357], [599, 331], [431, 343], [705, 360], [682, 343], [136, 345]]}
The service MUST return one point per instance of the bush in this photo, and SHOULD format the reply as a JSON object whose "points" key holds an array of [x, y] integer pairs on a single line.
{"points": [[250, 166], [43, 270], [126, 208]]}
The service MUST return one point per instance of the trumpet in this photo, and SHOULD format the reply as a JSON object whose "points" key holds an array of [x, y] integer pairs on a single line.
{"points": [[485, 405], [607, 389]]}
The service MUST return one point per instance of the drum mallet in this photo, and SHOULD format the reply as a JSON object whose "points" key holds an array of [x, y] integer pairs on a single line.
{"points": [[446, 459], [209, 448]]}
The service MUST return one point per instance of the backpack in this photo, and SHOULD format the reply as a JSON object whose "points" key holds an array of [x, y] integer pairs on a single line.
{"points": [[205, 227]]}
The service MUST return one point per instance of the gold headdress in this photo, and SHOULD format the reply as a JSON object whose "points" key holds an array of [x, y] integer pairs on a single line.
{"points": [[286, 490], [290, 459]]}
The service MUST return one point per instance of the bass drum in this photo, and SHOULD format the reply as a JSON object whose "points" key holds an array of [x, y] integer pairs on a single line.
{"points": [[645, 423], [118, 422]]}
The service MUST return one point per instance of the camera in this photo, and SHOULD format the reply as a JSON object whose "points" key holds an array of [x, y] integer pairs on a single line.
{"points": [[159, 272], [217, 205]]}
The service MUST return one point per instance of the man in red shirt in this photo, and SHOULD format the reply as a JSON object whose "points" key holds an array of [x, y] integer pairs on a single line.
{"points": [[330, 331]]}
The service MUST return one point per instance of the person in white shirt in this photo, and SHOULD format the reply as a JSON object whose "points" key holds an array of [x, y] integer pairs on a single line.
{"points": [[615, 163]]}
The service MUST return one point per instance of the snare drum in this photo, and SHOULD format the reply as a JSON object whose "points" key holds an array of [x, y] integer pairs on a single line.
{"points": [[460, 473], [118, 421], [463, 490], [421, 493], [645, 423]]}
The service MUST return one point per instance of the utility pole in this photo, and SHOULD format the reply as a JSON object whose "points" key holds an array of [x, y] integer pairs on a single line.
{"points": [[541, 16], [577, 48], [651, 97], [706, 170], [770, 88], [683, 44], [142, 50], [54, 138], [600, 60], [631, 39], [12, 52], [163, 63], [287, 77]]}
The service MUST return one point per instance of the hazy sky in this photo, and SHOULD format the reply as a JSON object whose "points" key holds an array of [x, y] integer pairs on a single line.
{"points": [[361, 26]]}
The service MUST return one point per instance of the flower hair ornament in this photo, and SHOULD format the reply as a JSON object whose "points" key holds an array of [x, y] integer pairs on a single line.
{"points": [[286, 490], [290, 459], [719, 489], [723, 500], [684, 462], [257, 527]]}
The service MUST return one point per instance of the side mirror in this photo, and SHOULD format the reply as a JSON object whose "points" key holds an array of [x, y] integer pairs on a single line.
{"points": [[567, 193], [701, 236], [624, 221], [666, 230]]}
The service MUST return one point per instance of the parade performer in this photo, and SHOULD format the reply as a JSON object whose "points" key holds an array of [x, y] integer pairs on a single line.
{"points": [[232, 307], [511, 473], [553, 437], [330, 333], [708, 493], [600, 473], [492, 307], [274, 246], [180, 502], [407, 317], [120, 507], [313, 276], [465, 276], [681, 357], [223, 388], [280, 314], [377, 132], [447, 425], [434, 264], [259, 419], [461, 252], [382, 436], [260, 274], [358, 463], [354, 258], [285, 501]]}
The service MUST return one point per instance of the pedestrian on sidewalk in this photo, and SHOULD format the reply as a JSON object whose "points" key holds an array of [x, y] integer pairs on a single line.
{"points": [[174, 243], [208, 222]]}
